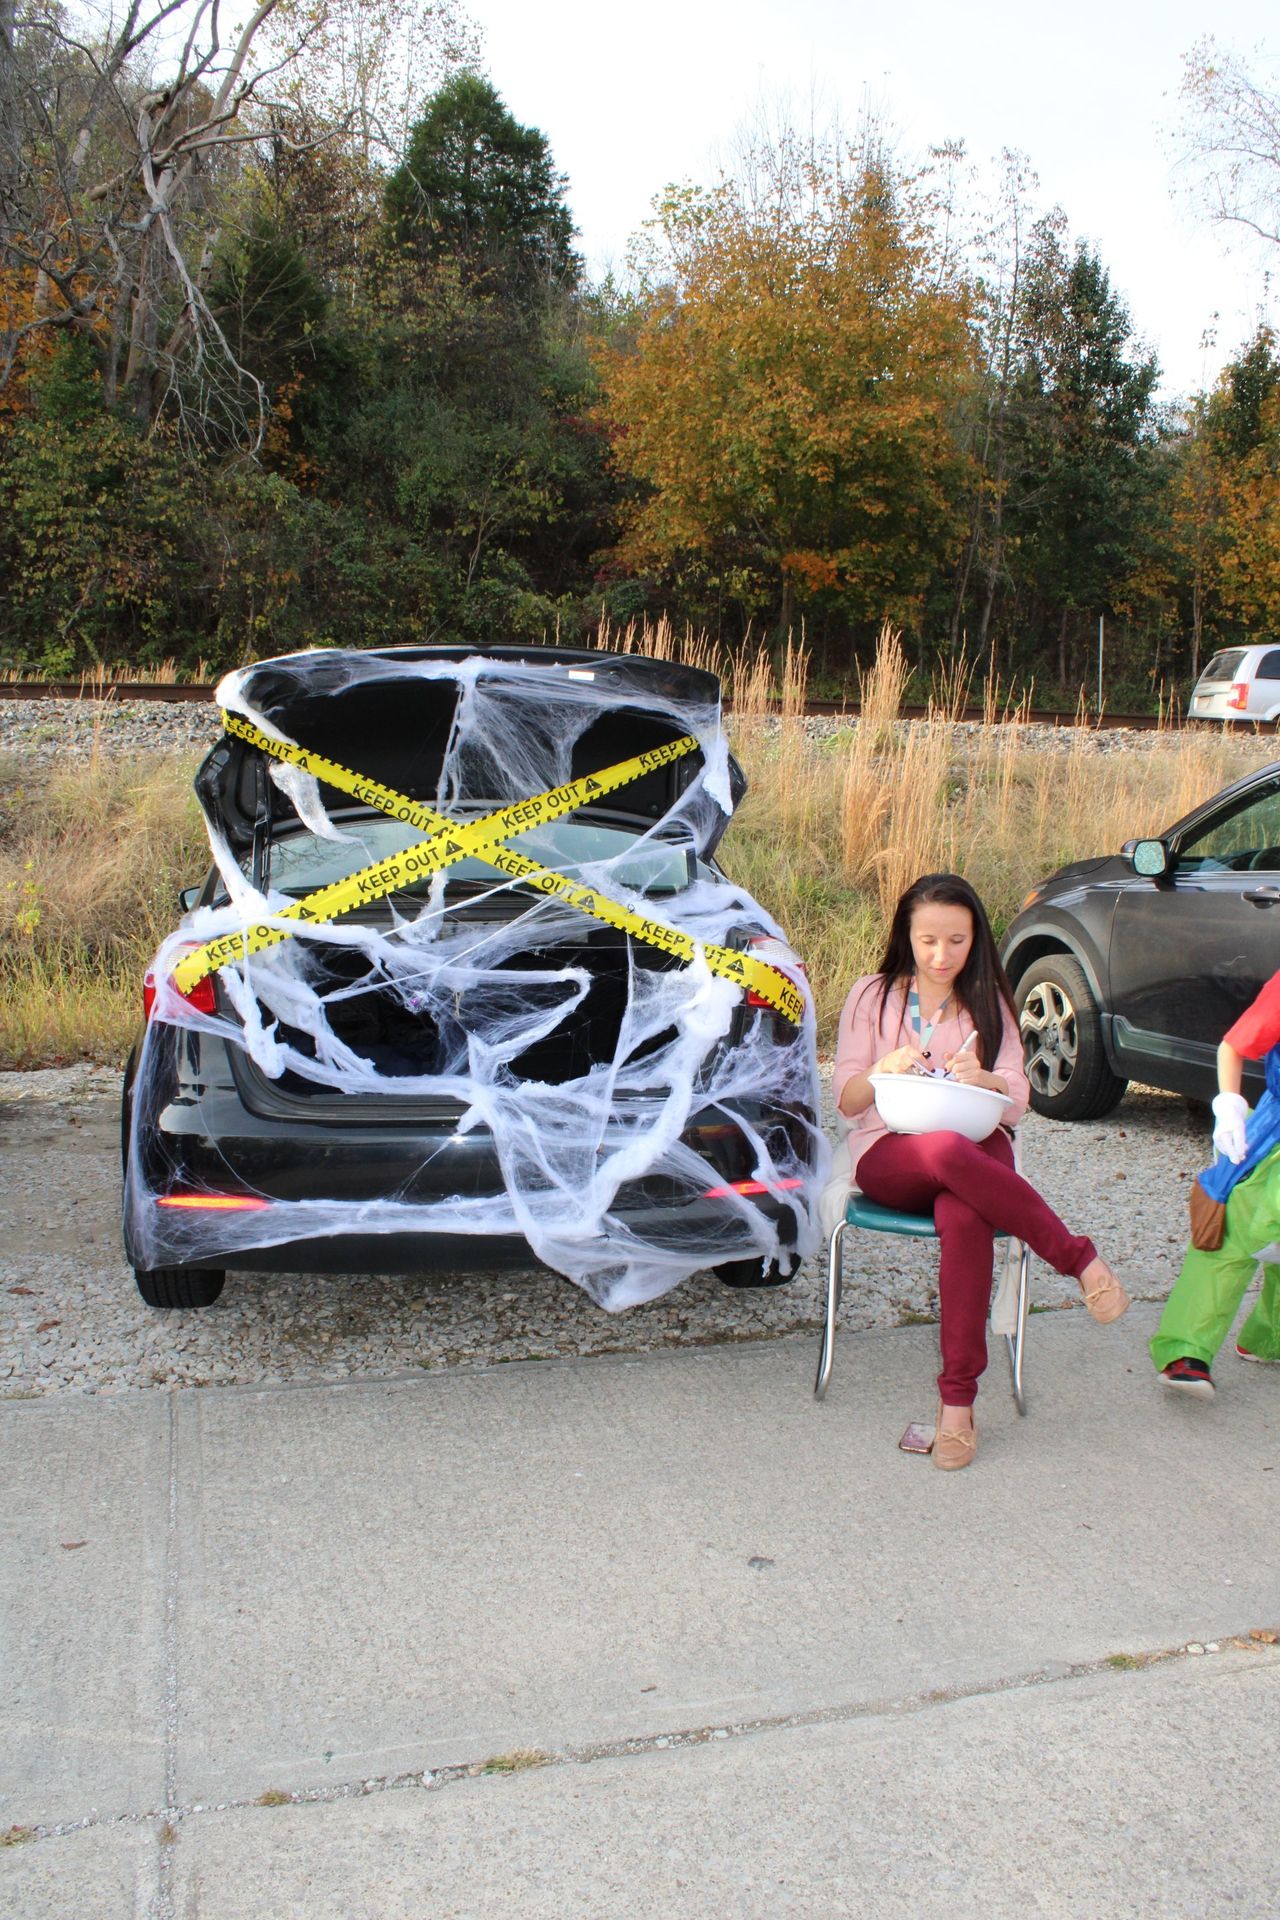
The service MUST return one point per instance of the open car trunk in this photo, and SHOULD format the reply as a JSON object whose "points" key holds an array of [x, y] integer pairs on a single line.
{"points": [[406, 1029]]}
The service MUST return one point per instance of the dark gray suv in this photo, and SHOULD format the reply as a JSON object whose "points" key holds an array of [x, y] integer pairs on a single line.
{"points": [[1133, 966]]}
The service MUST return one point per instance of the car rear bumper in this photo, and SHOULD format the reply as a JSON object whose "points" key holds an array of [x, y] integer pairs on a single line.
{"points": [[1213, 706], [214, 1185]]}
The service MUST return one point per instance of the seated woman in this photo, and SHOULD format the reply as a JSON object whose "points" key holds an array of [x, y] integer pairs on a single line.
{"points": [[941, 999]]}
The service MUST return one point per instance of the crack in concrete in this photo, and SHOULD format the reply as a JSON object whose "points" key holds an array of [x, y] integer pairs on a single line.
{"points": [[163, 1907], [432, 1780]]}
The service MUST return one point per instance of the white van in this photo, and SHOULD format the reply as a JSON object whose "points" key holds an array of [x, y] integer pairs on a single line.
{"points": [[1242, 683]]}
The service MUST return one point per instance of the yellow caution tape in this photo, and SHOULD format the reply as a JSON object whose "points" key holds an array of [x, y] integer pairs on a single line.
{"points": [[448, 841]]}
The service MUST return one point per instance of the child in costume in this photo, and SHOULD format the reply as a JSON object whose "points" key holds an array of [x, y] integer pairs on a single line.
{"points": [[1246, 1177]]}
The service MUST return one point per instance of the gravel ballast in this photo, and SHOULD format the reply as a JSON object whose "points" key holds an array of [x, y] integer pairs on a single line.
{"points": [[49, 732]]}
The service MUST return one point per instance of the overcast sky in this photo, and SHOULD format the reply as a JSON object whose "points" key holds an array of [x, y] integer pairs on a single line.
{"points": [[633, 97]]}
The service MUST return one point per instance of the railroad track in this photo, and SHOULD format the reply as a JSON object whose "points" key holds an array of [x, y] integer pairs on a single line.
{"points": [[176, 694]]}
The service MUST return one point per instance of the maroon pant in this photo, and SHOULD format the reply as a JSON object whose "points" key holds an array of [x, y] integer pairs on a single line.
{"points": [[973, 1193]]}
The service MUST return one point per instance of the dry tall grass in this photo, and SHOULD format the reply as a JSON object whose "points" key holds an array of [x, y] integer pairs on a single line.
{"points": [[91, 860], [832, 829]]}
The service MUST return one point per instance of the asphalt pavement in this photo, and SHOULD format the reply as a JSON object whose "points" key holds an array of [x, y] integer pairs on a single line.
{"points": [[651, 1634]]}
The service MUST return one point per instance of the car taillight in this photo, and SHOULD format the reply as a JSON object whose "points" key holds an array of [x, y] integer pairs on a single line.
{"points": [[751, 1188], [213, 1202], [1239, 696], [763, 946], [201, 997]]}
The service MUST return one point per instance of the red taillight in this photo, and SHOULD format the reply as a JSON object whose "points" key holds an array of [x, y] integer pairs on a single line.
{"points": [[751, 1187], [775, 954], [201, 997], [1239, 696], [212, 1202]]}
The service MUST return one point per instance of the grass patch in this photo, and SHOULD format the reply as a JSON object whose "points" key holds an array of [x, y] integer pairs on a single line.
{"points": [[1124, 1663], [274, 1797], [520, 1760], [17, 1836]]}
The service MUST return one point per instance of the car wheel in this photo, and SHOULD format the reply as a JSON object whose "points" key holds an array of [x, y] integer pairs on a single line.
{"points": [[1062, 1048], [757, 1273], [179, 1286]]}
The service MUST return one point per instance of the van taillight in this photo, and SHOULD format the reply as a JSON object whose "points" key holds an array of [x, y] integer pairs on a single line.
{"points": [[1239, 696], [201, 997]]}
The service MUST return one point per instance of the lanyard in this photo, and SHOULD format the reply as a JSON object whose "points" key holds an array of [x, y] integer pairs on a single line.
{"points": [[924, 1036]]}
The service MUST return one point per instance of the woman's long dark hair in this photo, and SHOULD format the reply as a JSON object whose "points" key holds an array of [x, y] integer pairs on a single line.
{"points": [[981, 985]]}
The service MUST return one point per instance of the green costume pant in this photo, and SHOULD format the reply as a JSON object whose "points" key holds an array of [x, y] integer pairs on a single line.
{"points": [[1210, 1287]]}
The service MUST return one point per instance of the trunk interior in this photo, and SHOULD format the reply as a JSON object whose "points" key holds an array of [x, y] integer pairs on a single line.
{"points": [[380, 1023]]}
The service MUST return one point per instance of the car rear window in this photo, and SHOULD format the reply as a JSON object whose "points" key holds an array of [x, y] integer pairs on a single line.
{"points": [[300, 862], [1221, 667], [1269, 665]]}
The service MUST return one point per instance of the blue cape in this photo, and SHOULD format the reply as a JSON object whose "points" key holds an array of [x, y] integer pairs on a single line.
{"points": [[1262, 1136]]}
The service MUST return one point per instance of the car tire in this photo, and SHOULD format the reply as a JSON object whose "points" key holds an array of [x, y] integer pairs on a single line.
{"points": [[1065, 1060], [757, 1273], [179, 1286]]}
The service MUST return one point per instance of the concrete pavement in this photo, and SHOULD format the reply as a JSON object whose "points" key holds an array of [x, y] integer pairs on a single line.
{"points": [[258, 1640]]}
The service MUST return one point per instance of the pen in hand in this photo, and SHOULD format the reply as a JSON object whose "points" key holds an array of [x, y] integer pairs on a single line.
{"points": [[964, 1046]]}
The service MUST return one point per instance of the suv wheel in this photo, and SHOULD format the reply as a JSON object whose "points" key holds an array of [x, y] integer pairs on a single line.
{"points": [[179, 1286], [1062, 1042]]}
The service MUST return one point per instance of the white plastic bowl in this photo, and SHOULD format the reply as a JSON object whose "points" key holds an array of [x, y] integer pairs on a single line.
{"points": [[910, 1103]]}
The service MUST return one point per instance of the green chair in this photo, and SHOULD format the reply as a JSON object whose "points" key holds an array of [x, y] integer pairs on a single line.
{"points": [[864, 1213]]}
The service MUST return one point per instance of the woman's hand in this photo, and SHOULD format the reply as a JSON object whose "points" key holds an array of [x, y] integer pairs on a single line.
{"points": [[966, 1072], [966, 1067], [901, 1060]]}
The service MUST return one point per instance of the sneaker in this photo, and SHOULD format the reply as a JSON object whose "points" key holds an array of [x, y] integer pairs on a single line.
{"points": [[1189, 1376], [1258, 1359]]}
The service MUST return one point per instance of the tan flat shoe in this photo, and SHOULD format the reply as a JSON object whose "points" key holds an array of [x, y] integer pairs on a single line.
{"points": [[1106, 1300], [953, 1447]]}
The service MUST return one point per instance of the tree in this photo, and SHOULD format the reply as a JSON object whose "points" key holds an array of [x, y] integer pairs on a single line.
{"points": [[1086, 428], [996, 436], [109, 224], [1233, 138], [126, 139], [783, 410], [1244, 430], [372, 65], [96, 518], [479, 188]]}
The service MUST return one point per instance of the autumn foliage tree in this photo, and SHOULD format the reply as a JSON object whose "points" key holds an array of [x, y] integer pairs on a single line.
{"points": [[783, 408], [1244, 430]]}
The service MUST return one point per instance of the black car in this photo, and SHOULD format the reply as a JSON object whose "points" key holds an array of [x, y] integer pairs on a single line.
{"points": [[1132, 967], [466, 988]]}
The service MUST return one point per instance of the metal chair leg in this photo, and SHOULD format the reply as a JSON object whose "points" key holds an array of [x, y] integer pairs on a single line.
{"points": [[1016, 1341], [835, 1286]]}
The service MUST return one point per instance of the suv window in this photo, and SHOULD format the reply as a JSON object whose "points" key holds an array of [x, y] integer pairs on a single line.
{"points": [[1221, 667], [1269, 666], [1248, 838]]}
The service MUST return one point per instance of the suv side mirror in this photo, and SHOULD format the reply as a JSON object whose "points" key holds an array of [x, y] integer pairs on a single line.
{"points": [[1150, 858], [188, 898]]}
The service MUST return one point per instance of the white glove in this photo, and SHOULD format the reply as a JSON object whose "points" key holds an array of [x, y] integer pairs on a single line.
{"points": [[1230, 1110]]}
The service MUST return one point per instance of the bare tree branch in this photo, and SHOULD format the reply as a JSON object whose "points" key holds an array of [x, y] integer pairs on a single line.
{"points": [[1232, 138]]}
